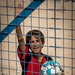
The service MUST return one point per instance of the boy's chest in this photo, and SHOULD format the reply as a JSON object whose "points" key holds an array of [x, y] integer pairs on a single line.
{"points": [[34, 67]]}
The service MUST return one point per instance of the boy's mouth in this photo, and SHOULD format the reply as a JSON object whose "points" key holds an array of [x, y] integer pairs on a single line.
{"points": [[35, 48]]}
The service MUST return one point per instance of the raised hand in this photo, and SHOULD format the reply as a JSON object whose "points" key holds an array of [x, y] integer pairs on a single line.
{"points": [[19, 9]]}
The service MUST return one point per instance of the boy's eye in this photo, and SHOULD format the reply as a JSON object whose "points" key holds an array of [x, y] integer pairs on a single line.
{"points": [[37, 40], [31, 41]]}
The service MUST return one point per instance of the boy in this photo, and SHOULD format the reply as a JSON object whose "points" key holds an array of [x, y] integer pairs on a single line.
{"points": [[31, 61]]}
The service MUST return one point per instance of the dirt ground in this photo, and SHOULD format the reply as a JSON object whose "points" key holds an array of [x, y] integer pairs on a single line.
{"points": [[62, 28]]}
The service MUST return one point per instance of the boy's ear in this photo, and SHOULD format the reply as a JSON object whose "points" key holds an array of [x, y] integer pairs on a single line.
{"points": [[42, 45]]}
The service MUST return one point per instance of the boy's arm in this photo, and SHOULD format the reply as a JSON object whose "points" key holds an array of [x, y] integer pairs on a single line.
{"points": [[20, 38], [19, 31]]}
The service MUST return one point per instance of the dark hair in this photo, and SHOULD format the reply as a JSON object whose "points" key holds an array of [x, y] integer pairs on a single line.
{"points": [[37, 33]]}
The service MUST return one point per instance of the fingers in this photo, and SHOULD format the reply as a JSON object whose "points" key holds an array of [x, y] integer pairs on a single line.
{"points": [[19, 9], [20, 6]]}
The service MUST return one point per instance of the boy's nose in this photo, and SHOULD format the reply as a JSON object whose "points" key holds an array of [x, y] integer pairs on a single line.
{"points": [[35, 43]]}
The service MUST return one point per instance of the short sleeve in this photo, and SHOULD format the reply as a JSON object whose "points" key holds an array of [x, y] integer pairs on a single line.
{"points": [[22, 55]]}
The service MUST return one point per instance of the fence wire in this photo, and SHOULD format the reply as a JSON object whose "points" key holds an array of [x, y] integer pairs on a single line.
{"points": [[55, 18]]}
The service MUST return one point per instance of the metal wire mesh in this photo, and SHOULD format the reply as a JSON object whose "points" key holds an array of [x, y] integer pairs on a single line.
{"points": [[55, 18]]}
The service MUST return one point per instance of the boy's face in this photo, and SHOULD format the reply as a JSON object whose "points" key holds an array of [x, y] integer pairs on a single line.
{"points": [[36, 44]]}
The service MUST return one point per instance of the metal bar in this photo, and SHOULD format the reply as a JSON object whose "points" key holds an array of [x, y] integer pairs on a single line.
{"points": [[18, 19]]}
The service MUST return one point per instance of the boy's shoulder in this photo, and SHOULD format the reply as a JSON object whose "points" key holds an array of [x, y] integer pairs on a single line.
{"points": [[47, 57]]}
